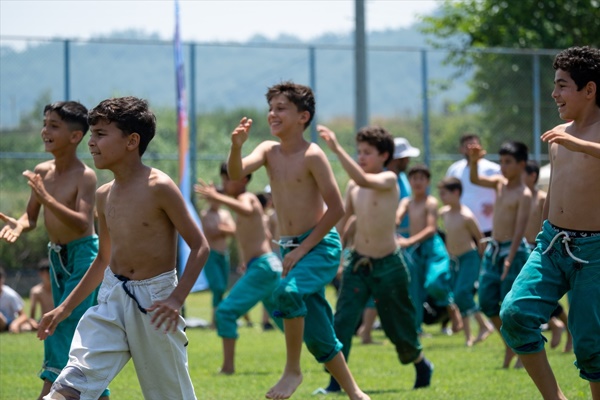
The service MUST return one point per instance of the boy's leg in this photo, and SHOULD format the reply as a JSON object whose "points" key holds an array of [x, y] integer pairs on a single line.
{"points": [[292, 374], [213, 270], [485, 329], [338, 368], [258, 282], [417, 270], [368, 320], [389, 283], [539, 370], [68, 266]]}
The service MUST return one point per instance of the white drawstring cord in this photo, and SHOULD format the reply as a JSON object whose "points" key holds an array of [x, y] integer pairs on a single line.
{"points": [[565, 240]]}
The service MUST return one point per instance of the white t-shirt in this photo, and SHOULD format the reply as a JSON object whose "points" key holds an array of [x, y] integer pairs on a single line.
{"points": [[10, 303], [473, 196]]}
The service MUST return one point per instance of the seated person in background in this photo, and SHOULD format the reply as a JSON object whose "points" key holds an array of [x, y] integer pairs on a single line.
{"points": [[40, 296], [11, 306]]}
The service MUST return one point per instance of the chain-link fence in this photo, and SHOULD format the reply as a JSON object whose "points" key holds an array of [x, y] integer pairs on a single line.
{"points": [[501, 95]]}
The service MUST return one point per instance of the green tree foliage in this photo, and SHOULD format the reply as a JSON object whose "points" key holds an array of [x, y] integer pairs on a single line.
{"points": [[502, 80]]}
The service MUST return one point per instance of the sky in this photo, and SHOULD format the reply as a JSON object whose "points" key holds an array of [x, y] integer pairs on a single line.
{"points": [[203, 20]]}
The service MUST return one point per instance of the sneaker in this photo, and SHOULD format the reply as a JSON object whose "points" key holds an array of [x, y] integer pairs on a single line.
{"points": [[267, 326]]}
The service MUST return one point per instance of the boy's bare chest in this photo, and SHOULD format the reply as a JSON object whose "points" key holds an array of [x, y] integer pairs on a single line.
{"points": [[287, 169], [125, 212], [62, 187]]}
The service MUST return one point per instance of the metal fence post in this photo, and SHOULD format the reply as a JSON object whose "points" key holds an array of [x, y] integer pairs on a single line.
{"points": [[425, 92], [312, 78], [360, 59], [192, 118], [536, 108], [67, 54]]}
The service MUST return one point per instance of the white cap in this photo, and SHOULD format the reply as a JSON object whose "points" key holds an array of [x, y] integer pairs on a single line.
{"points": [[267, 189], [403, 149]]}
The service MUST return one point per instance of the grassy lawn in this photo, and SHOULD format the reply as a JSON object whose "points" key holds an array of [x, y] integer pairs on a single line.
{"points": [[460, 372]]}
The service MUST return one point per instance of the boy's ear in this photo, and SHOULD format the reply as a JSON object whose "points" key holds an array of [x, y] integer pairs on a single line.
{"points": [[76, 136], [133, 141], [304, 116], [590, 89]]}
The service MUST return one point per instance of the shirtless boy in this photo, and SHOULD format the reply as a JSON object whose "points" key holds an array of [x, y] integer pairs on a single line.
{"points": [[463, 241], [140, 213], [308, 205], [263, 267], [426, 255], [65, 187], [566, 255], [375, 266], [218, 225], [507, 250]]}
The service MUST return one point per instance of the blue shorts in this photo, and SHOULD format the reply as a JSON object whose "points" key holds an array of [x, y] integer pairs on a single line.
{"points": [[556, 267], [492, 289], [216, 271], [465, 271], [302, 293]]}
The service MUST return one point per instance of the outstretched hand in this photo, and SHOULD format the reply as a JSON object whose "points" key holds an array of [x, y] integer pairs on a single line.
{"points": [[166, 313], [205, 190], [12, 230], [559, 136], [241, 132], [475, 152], [49, 322], [328, 136], [36, 183]]}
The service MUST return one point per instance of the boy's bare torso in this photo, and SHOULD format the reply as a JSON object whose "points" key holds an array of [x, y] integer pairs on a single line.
{"points": [[375, 234], [458, 236], [251, 230], [64, 188], [296, 196], [506, 209], [142, 237], [534, 223], [43, 296], [574, 194], [211, 220], [418, 213]]}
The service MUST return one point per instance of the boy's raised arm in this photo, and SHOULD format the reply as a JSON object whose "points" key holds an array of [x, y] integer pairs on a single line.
{"points": [[209, 192], [475, 154], [372, 181]]}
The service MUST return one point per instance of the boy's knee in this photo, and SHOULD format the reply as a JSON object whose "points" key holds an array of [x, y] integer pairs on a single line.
{"points": [[322, 351], [288, 302], [62, 392]]}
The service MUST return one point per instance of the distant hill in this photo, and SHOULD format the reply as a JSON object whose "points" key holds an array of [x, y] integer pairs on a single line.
{"points": [[228, 75]]}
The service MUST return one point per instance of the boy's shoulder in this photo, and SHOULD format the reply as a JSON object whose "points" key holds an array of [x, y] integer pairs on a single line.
{"points": [[44, 166]]}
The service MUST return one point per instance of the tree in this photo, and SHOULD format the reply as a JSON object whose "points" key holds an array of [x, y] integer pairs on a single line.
{"points": [[498, 40]]}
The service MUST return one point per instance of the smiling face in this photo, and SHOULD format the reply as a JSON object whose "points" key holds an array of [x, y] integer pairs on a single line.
{"points": [[284, 116], [568, 99], [56, 133], [107, 144]]}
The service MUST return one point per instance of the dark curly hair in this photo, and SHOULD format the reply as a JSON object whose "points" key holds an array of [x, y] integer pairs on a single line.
{"points": [[130, 114], [300, 95], [583, 64], [379, 138]]}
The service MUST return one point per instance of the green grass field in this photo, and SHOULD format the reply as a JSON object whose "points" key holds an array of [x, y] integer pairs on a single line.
{"points": [[460, 372]]}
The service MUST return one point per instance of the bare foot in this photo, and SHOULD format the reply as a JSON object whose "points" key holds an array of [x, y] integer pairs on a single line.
{"points": [[359, 396], [483, 334], [455, 317], [285, 387], [469, 343]]}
